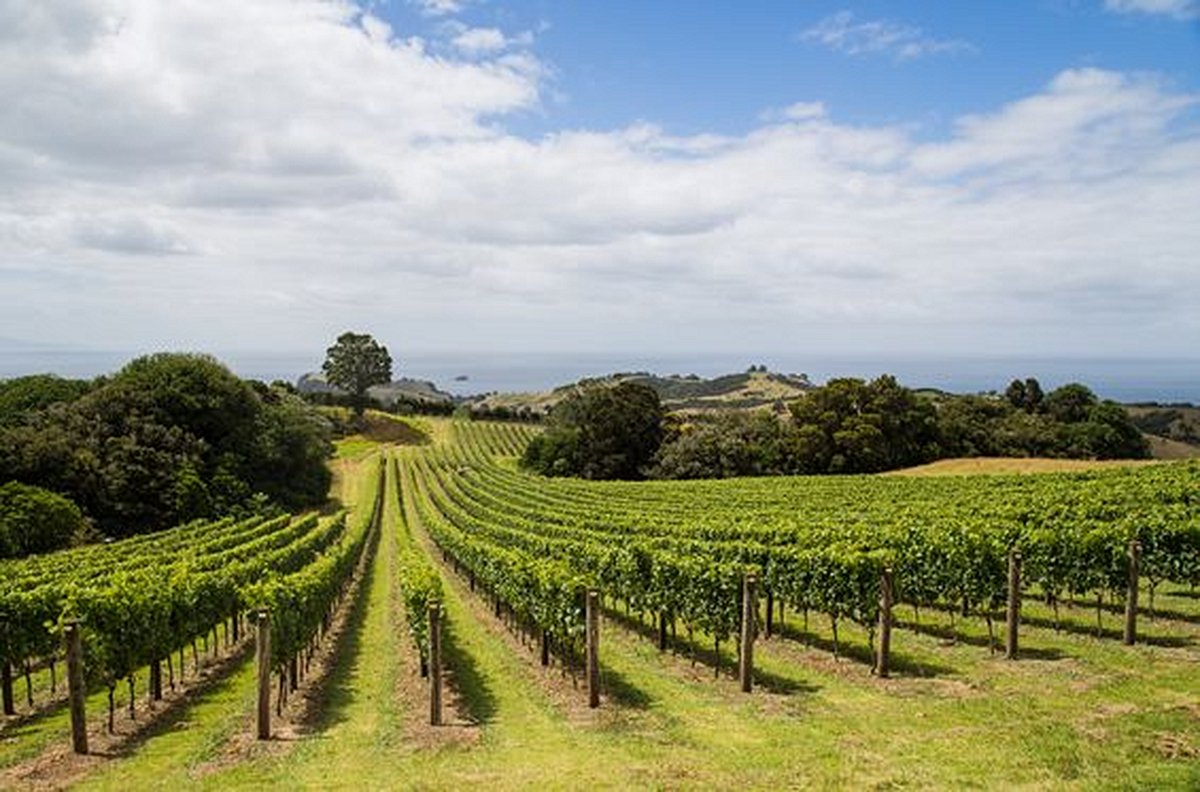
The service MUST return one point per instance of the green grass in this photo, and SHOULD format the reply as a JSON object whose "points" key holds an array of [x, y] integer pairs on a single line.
{"points": [[354, 447], [49, 725]]}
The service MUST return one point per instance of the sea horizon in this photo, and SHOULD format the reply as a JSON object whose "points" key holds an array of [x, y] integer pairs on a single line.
{"points": [[1163, 380]]}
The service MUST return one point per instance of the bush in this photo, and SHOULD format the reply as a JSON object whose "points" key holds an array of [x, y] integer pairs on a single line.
{"points": [[36, 520]]}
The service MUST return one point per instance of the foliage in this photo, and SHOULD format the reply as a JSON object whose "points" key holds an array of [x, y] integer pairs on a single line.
{"points": [[1025, 395], [140, 598], [420, 584], [852, 426], [24, 395], [681, 547], [35, 520], [730, 444], [600, 432], [356, 362], [169, 438], [1068, 422]]}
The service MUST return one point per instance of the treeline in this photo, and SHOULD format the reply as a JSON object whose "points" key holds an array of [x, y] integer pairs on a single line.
{"points": [[167, 439], [846, 426]]}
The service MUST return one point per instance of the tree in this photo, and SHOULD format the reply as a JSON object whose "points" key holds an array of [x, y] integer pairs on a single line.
{"points": [[169, 438], [852, 426], [729, 444], [24, 395], [1015, 394], [35, 520], [1025, 395], [600, 432], [355, 363]]}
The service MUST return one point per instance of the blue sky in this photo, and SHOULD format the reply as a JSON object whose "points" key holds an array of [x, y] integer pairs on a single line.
{"points": [[695, 67], [747, 180]]}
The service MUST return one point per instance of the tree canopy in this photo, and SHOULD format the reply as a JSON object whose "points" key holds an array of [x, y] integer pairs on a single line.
{"points": [[356, 362], [600, 432], [24, 395], [853, 426], [172, 437], [1069, 421], [35, 520]]}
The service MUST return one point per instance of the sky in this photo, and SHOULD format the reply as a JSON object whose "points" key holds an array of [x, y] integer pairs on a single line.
{"points": [[878, 179]]}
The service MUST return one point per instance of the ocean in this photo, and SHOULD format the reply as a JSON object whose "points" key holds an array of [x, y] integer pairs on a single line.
{"points": [[1125, 380]]}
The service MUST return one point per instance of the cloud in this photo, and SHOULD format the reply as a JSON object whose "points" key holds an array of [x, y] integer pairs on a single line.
{"points": [[174, 171], [1086, 124], [840, 32], [437, 8], [477, 42], [1177, 9], [129, 235]]}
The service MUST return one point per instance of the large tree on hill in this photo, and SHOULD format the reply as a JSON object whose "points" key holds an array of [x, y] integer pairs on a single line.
{"points": [[355, 363]]}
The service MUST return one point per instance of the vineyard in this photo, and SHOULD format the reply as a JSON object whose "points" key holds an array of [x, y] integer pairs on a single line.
{"points": [[679, 550], [874, 616]]}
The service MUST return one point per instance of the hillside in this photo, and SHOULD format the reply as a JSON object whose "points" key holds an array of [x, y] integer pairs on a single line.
{"points": [[1174, 429], [387, 395], [747, 390]]}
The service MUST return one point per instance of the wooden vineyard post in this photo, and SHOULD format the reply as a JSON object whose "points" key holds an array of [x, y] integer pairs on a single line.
{"points": [[662, 631], [1013, 617], [749, 609], [883, 656], [1131, 598], [76, 687], [6, 688], [435, 664], [545, 648], [263, 655], [156, 680], [593, 648]]}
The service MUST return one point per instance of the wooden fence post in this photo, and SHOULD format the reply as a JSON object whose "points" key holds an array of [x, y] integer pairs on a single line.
{"points": [[263, 655], [770, 625], [435, 664], [156, 680], [749, 609], [593, 648], [1013, 616], [1131, 597], [6, 688], [884, 651], [76, 687]]}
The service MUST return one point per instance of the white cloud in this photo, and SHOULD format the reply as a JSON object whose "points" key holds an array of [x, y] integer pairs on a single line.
{"points": [[437, 8], [477, 42], [805, 111], [480, 41], [842, 33], [1177, 9], [1086, 124], [172, 171]]}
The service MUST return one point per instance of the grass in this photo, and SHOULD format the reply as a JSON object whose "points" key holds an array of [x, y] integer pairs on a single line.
{"points": [[381, 429], [1003, 465]]}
